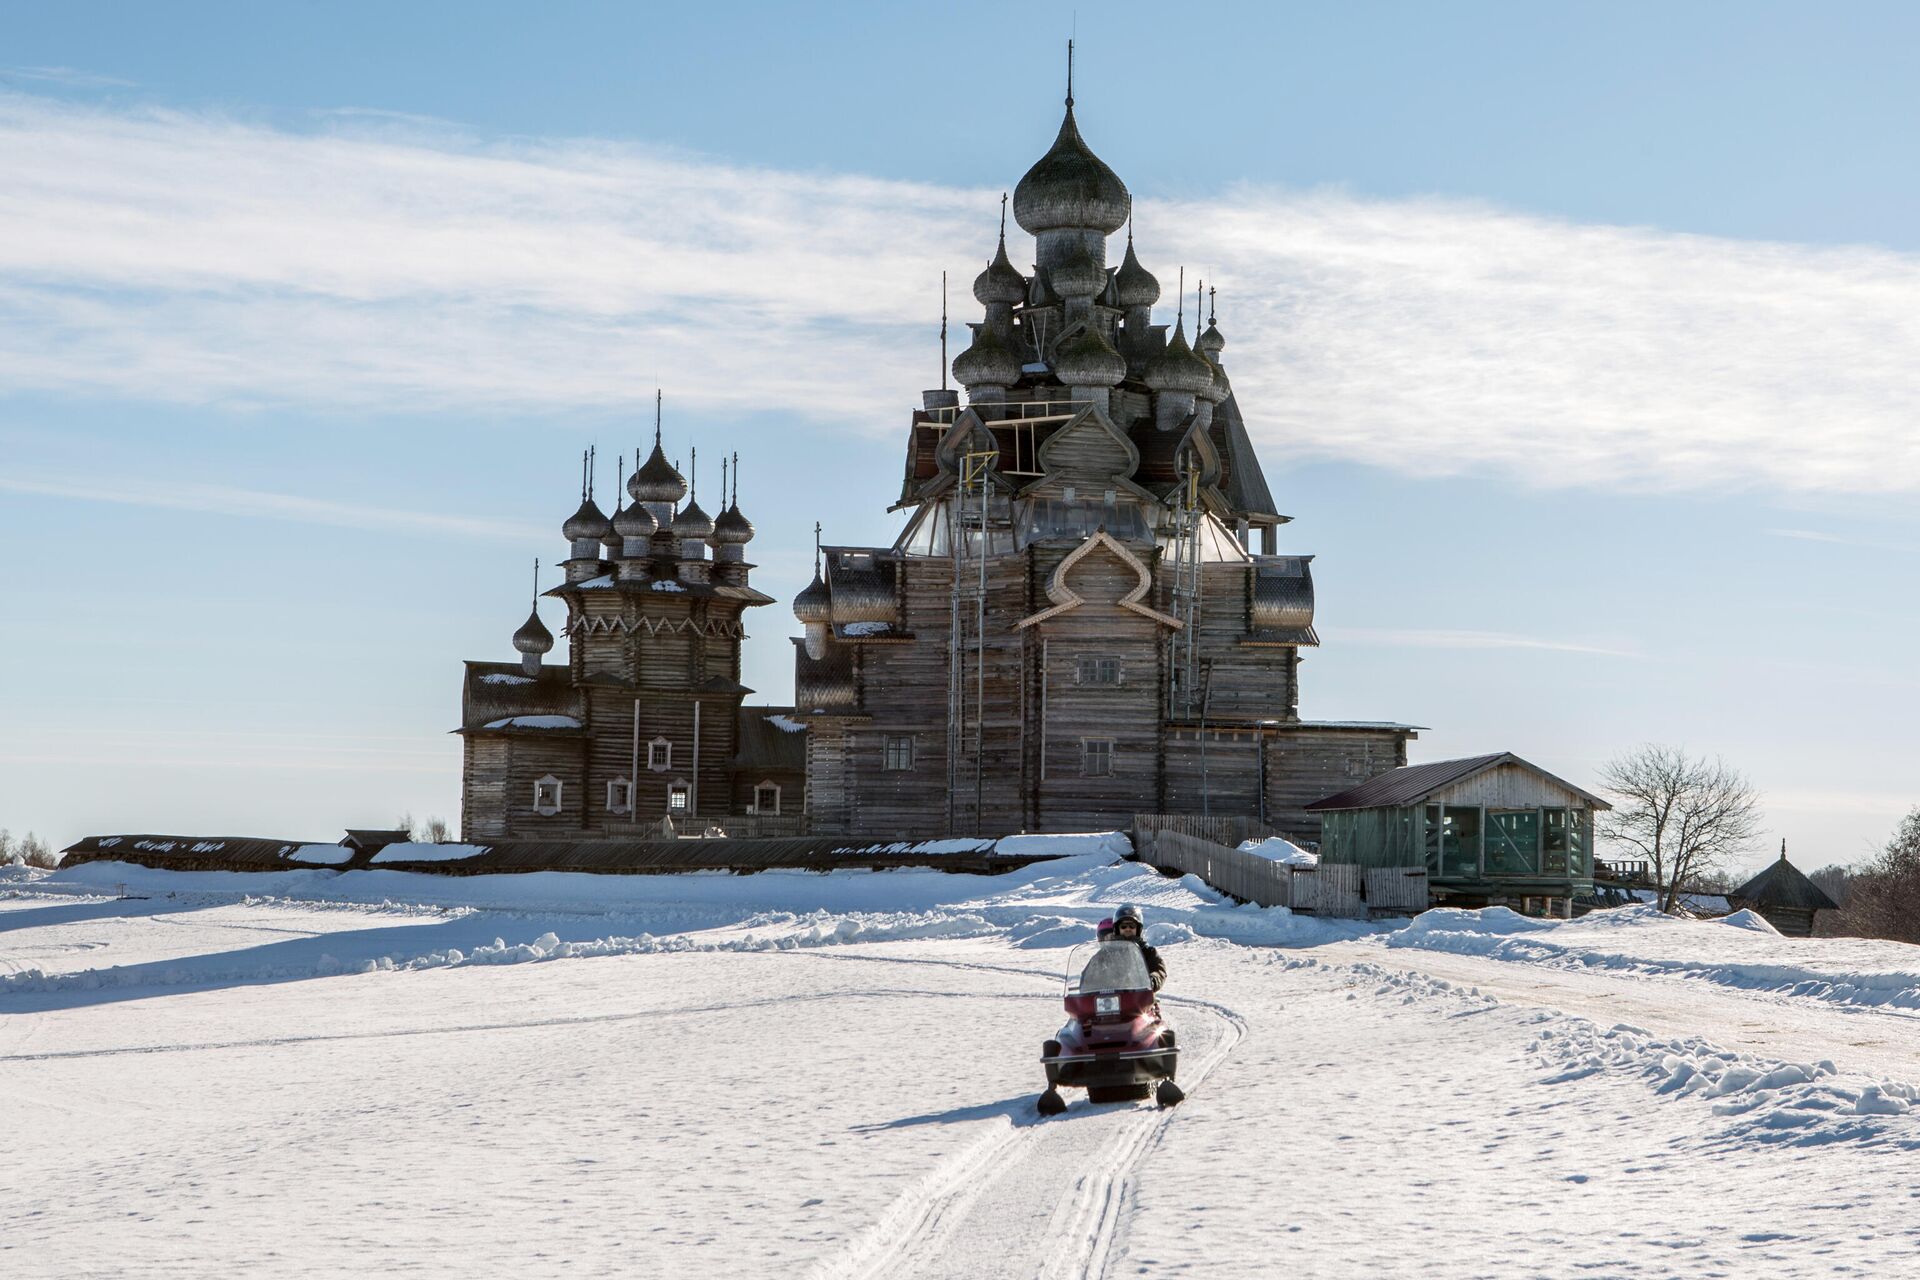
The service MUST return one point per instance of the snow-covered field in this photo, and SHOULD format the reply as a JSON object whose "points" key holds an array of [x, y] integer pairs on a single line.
{"points": [[315, 1073]]}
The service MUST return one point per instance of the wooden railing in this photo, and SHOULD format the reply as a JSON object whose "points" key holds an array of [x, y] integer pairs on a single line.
{"points": [[1330, 889], [1229, 831]]}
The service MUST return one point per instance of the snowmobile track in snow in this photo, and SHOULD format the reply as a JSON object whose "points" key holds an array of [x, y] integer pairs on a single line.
{"points": [[917, 1232]]}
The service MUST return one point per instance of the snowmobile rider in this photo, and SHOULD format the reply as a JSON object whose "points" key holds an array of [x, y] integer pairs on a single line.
{"points": [[1103, 931], [1126, 928]]}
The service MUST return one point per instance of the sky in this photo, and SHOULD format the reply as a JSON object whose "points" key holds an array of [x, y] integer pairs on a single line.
{"points": [[1582, 342]]}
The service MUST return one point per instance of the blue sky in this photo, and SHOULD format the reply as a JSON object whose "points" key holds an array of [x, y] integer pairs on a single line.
{"points": [[1581, 342]]}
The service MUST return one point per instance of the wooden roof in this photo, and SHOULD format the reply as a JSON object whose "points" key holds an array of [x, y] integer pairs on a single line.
{"points": [[1783, 885], [1413, 783]]}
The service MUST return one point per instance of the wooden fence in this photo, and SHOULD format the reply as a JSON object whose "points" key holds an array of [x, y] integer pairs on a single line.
{"points": [[1330, 889], [1228, 831]]}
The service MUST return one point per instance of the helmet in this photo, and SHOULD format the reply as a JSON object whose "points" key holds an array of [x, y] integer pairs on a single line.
{"points": [[1104, 929], [1128, 914]]}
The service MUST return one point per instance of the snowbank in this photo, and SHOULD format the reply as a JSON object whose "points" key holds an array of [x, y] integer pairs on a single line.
{"points": [[1741, 950], [1282, 850]]}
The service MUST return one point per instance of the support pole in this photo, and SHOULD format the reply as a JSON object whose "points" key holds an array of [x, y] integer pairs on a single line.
{"points": [[693, 789], [633, 771]]}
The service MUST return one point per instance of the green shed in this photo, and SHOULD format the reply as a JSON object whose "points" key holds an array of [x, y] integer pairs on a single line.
{"points": [[1490, 830]]}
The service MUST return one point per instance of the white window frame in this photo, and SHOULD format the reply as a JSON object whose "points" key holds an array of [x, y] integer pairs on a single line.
{"points": [[1087, 755], [660, 755], [543, 806], [758, 807], [887, 742], [620, 795], [682, 790]]}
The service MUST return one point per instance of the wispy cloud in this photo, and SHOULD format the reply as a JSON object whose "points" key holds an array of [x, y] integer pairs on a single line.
{"points": [[1835, 539], [65, 76], [255, 503], [195, 258], [1442, 638]]}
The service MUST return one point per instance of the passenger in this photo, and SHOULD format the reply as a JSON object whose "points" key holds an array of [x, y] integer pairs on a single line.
{"points": [[1103, 931], [1126, 928]]}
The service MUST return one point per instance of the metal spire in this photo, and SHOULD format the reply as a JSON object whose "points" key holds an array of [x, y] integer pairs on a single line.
{"points": [[816, 548], [656, 417], [943, 309], [693, 474], [1213, 316], [1069, 73], [536, 584], [1003, 218], [723, 480], [1180, 322], [736, 480], [583, 475]]}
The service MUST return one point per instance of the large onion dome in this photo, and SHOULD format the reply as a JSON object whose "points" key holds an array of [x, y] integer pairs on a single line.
{"points": [[635, 522], [1077, 276], [988, 362], [1178, 369], [1138, 286], [589, 523], [692, 524], [1087, 360], [1000, 282], [657, 480], [815, 604], [1070, 187], [730, 526], [533, 636]]}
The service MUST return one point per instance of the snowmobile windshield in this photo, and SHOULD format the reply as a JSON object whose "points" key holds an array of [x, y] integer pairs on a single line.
{"points": [[1113, 966]]}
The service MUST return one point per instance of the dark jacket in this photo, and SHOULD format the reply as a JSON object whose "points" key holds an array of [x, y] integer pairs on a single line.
{"points": [[1156, 967]]}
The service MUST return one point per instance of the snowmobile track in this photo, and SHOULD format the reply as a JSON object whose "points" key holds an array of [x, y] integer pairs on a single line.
{"points": [[915, 1234]]}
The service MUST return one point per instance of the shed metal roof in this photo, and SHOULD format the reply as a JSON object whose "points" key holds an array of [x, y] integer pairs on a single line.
{"points": [[1415, 782]]}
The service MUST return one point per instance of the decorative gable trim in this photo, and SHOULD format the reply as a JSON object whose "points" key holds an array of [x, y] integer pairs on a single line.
{"points": [[1065, 597]]}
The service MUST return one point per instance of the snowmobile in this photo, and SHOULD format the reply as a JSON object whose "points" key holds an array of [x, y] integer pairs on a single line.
{"points": [[1115, 1043]]}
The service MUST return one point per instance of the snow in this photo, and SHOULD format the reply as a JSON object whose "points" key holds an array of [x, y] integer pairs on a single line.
{"points": [[327, 855], [604, 582], [667, 584], [1280, 849], [865, 628], [419, 851], [534, 722], [502, 677], [785, 724], [315, 1072]]}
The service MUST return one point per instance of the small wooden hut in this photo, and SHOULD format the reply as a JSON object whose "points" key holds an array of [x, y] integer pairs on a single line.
{"points": [[1490, 830], [1784, 896]]}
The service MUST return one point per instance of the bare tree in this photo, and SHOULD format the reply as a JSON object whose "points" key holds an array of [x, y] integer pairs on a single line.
{"points": [[1685, 815], [436, 831], [30, 849], [1883, 898]]}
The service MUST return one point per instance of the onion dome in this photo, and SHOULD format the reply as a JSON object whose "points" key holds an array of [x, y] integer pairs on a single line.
{"points": [[1178, 369], [613, 539], [588, 523], [635, 522], [657, 480], [730, 526], [1087, 360], [1077, 276], [815, 604], [988, 362], [1138, 286], [533, 636], [1070, 187], [692, 524], [1000, 282], [1210, 344]]}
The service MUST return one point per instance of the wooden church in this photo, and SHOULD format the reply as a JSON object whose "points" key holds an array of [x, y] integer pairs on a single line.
{"points": [[1086, 615]]}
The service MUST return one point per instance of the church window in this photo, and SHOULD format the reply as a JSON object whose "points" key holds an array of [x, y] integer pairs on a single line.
{"points": [[679, 797], [899, 752], [546, 796], [1098, 670], [620, 796], [1096, 757], [660, 755], [766, 798]]}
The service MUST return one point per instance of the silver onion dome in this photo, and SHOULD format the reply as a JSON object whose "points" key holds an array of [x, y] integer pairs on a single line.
{"points": [[1178, 369], [533, 636], [1138, 286], [692, 524], [988, 362], [635, 522], [1088, 360], [1077, 276], [657, 480], [588, 523], [1000, 282], [732, 527], [815, 603], [1070, 187]]}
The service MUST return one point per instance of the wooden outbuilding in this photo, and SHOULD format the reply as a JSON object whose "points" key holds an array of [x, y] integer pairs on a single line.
{"points": [[1490, 830], [1784, 896]]}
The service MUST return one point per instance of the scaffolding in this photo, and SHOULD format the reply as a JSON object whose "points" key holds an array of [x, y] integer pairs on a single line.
{"points": [[969, 538], [1188, 517]]}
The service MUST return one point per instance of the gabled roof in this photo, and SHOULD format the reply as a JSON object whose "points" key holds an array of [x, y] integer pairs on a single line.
{"points": [[1783, 885], [1415, 782], [1245, 485], [768, 744]]}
